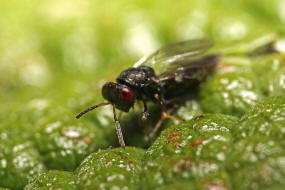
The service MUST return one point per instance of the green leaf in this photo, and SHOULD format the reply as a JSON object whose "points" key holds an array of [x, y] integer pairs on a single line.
{"points": [[52, 179], [64, 143], [265, 174], [272, 70], [19, 162], [266, 119], [114, 168], [191, 151], [230, 93]]}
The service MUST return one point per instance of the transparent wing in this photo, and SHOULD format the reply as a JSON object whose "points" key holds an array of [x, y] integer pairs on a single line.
{"points": [[171, 56], [188, 75]]}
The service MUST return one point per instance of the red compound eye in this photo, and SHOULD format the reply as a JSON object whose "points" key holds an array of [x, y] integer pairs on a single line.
{"points": [[126, 94]]}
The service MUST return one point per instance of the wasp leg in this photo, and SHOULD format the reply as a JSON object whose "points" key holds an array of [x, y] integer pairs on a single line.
{"points": [[164, 115], [118, 129], [155, 129], [145, 113], [155, 80], [173, 101], [160, 101]]}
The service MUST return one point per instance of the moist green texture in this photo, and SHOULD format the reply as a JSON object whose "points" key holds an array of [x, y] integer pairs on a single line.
{"points": [[271, 74], [194, 151], [230, 93], [52, 179], [258, 150], [64, 144], [261, 160], [110, 169], [19, 162], [190, 109], [266, 119]]}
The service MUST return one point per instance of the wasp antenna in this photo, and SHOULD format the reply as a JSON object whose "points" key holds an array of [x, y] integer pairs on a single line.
{"points": [[118, 128], [90, 109]]}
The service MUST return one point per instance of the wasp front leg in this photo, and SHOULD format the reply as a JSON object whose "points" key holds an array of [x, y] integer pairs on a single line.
{"points": [[145, 112], [118, 129]]}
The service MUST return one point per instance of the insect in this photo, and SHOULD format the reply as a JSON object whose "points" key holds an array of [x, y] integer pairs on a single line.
{"points": [[161, 77]]}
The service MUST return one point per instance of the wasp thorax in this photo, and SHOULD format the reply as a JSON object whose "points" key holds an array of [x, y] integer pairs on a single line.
{"points": [[118, 94]]}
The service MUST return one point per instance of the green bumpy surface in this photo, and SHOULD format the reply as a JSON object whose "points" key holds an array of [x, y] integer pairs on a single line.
{"points": [[243, 137], [230, 93], [45, 147], [208, 151], [52, 179], [266, 119], [194, 151], [271, 74], [19, 162], [110, 169], [64, 144]]}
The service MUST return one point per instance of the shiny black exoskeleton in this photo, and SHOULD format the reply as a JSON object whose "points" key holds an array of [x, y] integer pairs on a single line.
{"points": [[133, 83], [141, 83]]}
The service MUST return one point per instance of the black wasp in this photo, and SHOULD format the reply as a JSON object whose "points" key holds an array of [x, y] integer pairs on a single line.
{"points": [[161, 77]]}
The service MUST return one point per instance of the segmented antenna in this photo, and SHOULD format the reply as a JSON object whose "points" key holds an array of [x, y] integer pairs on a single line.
{"points": [[90, 109], [117, 123]]}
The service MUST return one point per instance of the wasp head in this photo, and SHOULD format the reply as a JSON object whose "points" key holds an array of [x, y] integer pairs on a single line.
{"points": [[120, 95]]}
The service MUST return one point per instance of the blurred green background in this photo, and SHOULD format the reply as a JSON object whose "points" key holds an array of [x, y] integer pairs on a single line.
{"points": [[60, 50]]}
